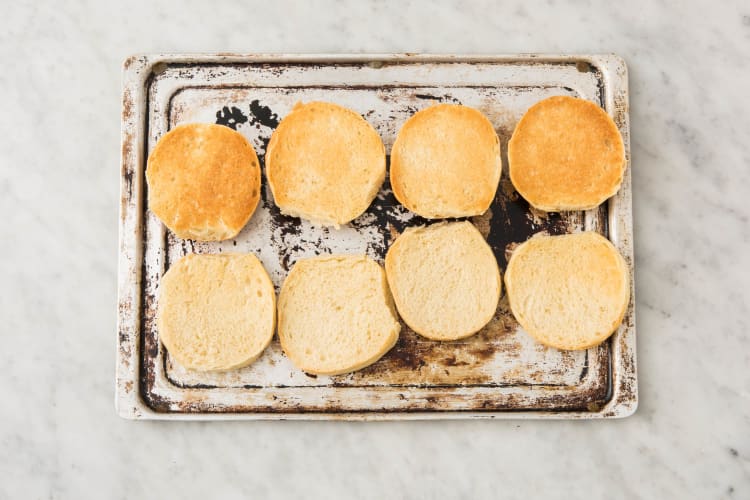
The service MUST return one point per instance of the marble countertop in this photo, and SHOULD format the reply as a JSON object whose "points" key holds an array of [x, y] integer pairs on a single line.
{"points": [[59, 183]]}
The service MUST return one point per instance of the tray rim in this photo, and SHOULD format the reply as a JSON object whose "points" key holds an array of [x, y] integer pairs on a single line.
{"points": [[137, 69]]}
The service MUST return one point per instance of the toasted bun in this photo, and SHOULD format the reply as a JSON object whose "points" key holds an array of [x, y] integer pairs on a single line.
{"points": [[216, 312], [444, 279], [336, 314], [203, 181], [566, 154], [446, 162], [569, 291], [325, 163]]}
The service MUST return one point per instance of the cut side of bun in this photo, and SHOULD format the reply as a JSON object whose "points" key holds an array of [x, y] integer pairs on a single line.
{"points": [[444, 279], [336, 314], [569, 292], [216, 312]]}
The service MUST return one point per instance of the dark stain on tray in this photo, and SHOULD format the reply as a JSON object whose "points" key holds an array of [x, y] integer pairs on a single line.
{"points": [[442, 98], [263, 115], [127, 176], [230, 117], [591, 401], [452, 361], [405, 355], [584, 67]]}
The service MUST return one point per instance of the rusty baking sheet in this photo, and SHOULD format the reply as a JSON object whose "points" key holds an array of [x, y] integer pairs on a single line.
{"points": [[498, 373]]}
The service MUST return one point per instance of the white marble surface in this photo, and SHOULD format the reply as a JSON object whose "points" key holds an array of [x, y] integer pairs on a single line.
{"points": [[59, 150]]}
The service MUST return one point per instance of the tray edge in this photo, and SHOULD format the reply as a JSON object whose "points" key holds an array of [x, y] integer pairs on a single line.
{"points": [[138, 68]]}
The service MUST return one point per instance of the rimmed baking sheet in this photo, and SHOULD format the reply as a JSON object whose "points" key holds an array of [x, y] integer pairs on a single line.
{"points": [[497, 373]]}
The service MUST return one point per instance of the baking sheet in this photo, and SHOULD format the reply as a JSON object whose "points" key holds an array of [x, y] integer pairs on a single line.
{"points": [[499, 372]]}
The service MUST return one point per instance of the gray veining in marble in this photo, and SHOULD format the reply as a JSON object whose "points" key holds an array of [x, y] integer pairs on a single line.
{"points": [[59, 151]]}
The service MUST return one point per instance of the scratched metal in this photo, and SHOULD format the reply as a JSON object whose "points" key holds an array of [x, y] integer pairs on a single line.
{"points": [[500, 372]]}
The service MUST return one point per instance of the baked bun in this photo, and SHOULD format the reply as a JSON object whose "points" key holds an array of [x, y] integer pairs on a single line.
{"points": [[446, 162], [336, 314], [203, 181], [325, 163], [444, 279], [566, 154], [216, 312], [570, 291]]}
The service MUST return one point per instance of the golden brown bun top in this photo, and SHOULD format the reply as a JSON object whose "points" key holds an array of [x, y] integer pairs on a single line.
{"points": [[203, 181], [325, 163], [566, 154], [446, 162]]}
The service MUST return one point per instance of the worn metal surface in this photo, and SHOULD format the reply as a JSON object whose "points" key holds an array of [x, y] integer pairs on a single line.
{"points": [[499, 372]]}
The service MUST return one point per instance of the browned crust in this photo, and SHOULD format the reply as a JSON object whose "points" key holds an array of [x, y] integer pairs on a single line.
{"points": [[325, 163], [204, 181], [566, 154], [446, 162]]}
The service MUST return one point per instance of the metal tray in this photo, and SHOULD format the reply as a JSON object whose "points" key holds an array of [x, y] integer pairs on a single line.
{"points": [[498, 373]]}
